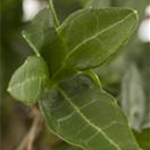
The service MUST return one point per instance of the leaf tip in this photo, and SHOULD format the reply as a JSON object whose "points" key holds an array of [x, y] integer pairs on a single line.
{"points": [[26, 38], [8, 89], [23, 34], [136, 13]]}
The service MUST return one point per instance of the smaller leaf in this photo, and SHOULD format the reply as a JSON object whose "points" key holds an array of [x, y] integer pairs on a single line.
{"points": [[29, 81], [133, 97], [42, 37], [39, 29]]}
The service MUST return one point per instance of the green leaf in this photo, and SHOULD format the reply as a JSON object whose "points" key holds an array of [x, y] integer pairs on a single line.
{"points": [[94, 35], [29, 81], [41, 27], [82, 114], [133, 97], [42, 37], [97, 4]]}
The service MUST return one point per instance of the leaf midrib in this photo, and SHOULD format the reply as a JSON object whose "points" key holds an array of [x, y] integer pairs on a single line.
{"points": [[82, 43], [97, 34], [89, 122], [21, 84]]}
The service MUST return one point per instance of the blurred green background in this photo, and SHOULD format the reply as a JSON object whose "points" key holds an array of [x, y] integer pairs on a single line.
{"points": [[127, 77]]}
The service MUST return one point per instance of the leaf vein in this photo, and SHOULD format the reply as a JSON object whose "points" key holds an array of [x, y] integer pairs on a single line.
{"points": [[89, 122], [96, 35]]}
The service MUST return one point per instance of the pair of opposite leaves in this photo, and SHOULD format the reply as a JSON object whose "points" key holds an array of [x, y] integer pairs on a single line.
{"points": [[75, 109]]}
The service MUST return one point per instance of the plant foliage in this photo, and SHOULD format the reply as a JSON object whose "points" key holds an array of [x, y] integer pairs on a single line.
{"points": [[59, 77]]}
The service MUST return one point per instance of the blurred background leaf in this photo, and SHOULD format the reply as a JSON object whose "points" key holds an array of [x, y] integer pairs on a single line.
{"points": [[133, 99]]}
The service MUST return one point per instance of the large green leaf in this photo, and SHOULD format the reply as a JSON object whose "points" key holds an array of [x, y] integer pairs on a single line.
{"points": [[82, 114], [41, 35], [93, 35], [133, 97], [29, 81]]}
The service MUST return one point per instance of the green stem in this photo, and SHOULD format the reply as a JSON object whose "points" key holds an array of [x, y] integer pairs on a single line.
{"points": [[94, 76], [54, 12]]}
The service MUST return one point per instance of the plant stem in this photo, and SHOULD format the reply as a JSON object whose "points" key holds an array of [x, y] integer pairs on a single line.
{"points": [[54, 12], [28, 140]]}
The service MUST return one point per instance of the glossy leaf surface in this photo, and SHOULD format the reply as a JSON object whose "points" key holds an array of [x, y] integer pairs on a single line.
{"points": [[76, 111], [29, 81], [42, 37], [94, 35]]}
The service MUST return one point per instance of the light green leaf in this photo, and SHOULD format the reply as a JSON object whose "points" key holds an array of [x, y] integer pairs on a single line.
{"points": [[82, 114], [42, 37], [97, 3], [94, 35], [133, 97], [29, 81]]}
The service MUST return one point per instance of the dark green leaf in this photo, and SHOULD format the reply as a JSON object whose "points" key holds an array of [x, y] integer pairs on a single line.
{"points": [[82, 114], [29, 81], [44, 40], [66, 7], [93, 35]]}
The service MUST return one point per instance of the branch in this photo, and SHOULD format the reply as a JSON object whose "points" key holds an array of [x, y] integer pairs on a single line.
{"points": [[28, 140]]}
